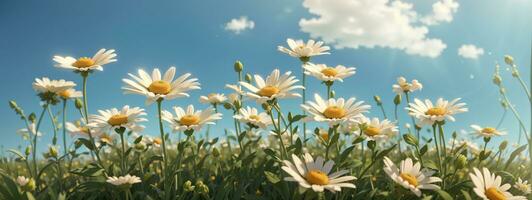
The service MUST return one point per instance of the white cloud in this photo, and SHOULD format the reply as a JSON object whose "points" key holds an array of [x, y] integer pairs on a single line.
{"points": [[442, 11], [373, 23], [470, 51], [238, 25]]}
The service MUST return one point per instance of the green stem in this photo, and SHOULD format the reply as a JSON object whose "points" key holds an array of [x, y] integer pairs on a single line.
{"points": [[64, 128], [437, 148], [123, 162], [163, 139], [444, 147], [35, 168], [304, 98], [412, 117], [86, 115], [54, 139]]}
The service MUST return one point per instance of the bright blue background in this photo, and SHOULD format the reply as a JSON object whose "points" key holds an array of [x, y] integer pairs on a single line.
{"points": [[190, 35]]}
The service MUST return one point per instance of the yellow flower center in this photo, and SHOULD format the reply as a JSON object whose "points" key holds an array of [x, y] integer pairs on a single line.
{"points": [[436, 111], [409, 178], [106, 139], [65, 94], [160, 87], [334, 112], [268, 91], [372, 131], [494, 194], [189, 120], [117, 119], [255, 117], [325, 136], [316, 177], [83, 62], [157, 141], [405, 87], [489, 130], [331, 72]]}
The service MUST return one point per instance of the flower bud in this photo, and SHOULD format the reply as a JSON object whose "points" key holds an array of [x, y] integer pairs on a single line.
{"points": [[460, 162], [238, 66], [508, 59], [28, 150], [202, 188], [215, 152], [228, 106], [53, 151], [397, 99], [515, 72], [78, 103], [503, 145], [30, 186], [377, 100], [248, 78], [140, 146], [266, 107], [333, 94], [188, 187], [497, 80], [32, 117], [13, 104]]}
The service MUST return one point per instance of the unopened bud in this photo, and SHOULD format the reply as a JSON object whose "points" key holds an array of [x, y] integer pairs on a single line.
{"points": [[503, 145], [228, 106], [78, 103], [32, 117], [508, 59], [377, 99], [266, 107], [333, 94], [188, 187], [397, 99], [53, 151], [140, 146], [497, 80], [215, 152], [238, 66], [28, 150], [515, 72], [460, 162], [248, 78], [30, 186]]}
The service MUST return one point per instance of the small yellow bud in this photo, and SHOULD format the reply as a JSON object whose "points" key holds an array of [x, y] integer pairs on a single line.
{"points": [[238, 66]]}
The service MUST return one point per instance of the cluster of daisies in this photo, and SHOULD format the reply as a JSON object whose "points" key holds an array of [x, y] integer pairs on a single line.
{"points": [[343, 114]]}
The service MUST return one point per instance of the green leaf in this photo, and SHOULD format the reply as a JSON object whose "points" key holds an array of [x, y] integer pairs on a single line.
{"points": [[423, 149], [444, 195], [87, 143], [272, 177], [514, 154], [138, 140], [466, 195], [346, 153]]}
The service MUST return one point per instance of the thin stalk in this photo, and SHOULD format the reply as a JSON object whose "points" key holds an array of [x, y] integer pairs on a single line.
{"points": [[35, 168], [412, 117], [123, 162], [437, 147], [54, 139], [86, 115], [303, 100], [163, 139], [64, 128]]}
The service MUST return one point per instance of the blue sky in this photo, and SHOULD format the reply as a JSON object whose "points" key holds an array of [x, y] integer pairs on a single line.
{"points": [[191, 36]]}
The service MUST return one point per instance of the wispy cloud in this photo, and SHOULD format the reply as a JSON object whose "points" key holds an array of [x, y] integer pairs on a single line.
{"points": [[382, 23], [239, 25], [470, 51]]}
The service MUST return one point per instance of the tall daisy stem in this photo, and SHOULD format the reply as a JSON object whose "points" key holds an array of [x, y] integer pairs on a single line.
{"points": [[413, 120], [163, 139], [437, 147], [86, 115], [64, 128], [304, 98], [35, 167]]}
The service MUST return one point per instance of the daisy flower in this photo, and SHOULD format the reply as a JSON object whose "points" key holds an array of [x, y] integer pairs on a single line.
{"points": [[45, 85], [22, 181], [111, 119], [84, 64], [252, 116], [328, 74], [428, 113], [276, 86], [335, 111], [190, 119], [26, 134], [77, 129], [403, 86], [69, 93], [213, 98], [488, 186], [123, 180], [486, 131], [374, 129], [157, 87], [316, 174], [303, 51], [523, 186], [411, 176]]}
